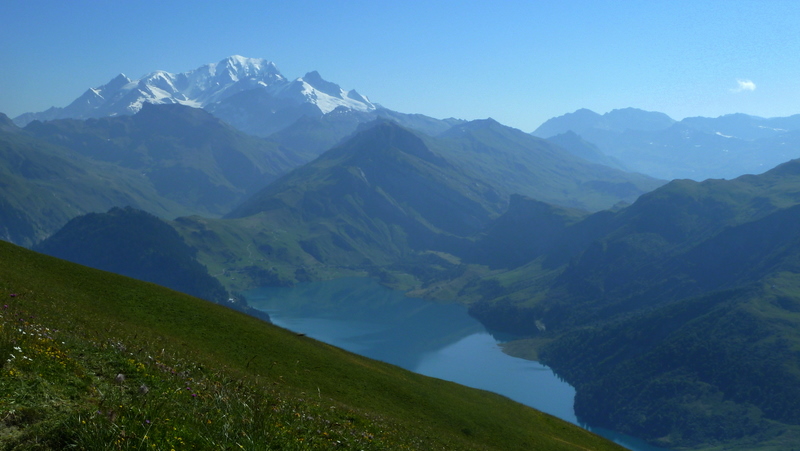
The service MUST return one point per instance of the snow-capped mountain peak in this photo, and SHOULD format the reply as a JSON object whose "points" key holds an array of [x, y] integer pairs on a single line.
{"points": [[327, 96], [222, 86], [246, 67]]}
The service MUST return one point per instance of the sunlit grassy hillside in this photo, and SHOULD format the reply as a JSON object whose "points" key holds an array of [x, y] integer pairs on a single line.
{"points": [[92, 360]]}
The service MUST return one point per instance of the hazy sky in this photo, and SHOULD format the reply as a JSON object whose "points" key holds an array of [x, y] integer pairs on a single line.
{"points": [[519, 62]]}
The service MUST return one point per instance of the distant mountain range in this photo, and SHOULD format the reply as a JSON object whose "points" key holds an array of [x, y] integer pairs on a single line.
{"points": [[584, 121], [170, 160], [174, 160], [309, 115], [671, 307], [44, 185], [237, 89], [388, 193], [696, 148]]}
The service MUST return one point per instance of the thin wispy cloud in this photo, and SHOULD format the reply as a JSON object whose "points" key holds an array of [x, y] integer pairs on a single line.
{"points": [[744, 85]]}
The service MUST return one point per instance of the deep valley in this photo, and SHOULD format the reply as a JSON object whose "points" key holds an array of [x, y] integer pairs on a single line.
{"points": [[661, 281]]}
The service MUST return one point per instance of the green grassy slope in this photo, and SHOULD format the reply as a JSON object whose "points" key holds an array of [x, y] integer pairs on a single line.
{"points": [[97, 360]]}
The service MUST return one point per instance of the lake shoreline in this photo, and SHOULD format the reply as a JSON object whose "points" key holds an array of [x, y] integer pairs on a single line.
{"points": [[434, 339]]}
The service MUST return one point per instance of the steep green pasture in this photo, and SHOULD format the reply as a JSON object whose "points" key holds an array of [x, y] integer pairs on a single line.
{"points": [[98, 361]]}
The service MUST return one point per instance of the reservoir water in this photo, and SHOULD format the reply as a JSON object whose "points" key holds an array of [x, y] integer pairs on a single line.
{"points": [[438, 340]]}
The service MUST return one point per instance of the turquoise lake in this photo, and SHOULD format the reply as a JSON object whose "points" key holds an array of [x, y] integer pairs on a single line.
{"points": [[434, 339]]}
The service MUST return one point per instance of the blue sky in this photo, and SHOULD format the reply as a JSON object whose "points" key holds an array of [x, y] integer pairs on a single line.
{"points": [[519, 62]]}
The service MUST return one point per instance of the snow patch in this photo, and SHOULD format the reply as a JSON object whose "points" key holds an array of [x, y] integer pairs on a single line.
{"points": [[774, 129]]}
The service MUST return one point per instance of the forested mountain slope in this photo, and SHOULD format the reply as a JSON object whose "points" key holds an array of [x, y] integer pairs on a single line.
{"points": [[676, 318]]}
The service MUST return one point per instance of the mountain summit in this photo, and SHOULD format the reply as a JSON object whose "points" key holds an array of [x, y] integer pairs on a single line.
{"points": [[618, 121], [696, 148], [223, 87]]}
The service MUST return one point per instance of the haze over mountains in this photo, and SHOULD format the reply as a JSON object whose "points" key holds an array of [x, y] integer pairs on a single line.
{"points": [[696, 147], [170, 160], [180, 160], [642, 293]]}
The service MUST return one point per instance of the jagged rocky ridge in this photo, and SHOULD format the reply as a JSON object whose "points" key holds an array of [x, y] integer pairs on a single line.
{"points": [[247, 92]]}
